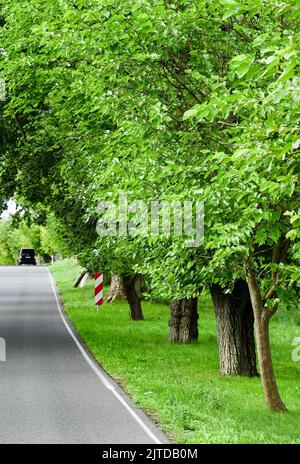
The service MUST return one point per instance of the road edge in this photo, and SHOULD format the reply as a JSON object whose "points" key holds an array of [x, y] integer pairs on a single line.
{"points": [[104, 377]]}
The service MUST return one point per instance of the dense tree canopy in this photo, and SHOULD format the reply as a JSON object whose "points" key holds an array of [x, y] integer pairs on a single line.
{"points": [[164, 100]]}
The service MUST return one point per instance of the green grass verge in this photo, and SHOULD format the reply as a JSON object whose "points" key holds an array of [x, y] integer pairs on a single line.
{"points": [[179, 385]]}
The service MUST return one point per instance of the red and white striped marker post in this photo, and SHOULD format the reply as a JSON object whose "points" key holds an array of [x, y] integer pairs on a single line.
{"points": [[98, 289]]}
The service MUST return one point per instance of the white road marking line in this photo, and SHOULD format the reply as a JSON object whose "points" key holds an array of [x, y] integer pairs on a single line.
{"points": [[97, 370]]}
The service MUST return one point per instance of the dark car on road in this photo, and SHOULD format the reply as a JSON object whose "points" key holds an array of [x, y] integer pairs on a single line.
{"points": [[27, 256]]}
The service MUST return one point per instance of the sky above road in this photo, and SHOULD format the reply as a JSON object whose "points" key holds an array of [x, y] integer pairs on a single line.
{"points": [[11, 209]]}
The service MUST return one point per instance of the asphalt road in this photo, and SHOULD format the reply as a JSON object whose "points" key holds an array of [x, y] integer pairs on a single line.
{"points": [[51, 391]]}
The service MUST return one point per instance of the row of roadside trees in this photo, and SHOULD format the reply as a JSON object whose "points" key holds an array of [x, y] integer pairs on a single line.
{"points": [[166, 101], [19, 232]]}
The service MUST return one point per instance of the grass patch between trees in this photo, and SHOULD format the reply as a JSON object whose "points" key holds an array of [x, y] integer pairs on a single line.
{"points": [[179, 385]]}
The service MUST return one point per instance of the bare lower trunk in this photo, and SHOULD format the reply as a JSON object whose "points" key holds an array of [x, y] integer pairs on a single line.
{"points": [[116, 289], [82, 279], [184, 320], [134, 300], [79, 278], [235, 330], [85, 279], [262, 319]]}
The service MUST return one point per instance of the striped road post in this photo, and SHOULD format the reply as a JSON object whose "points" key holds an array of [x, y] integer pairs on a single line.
{"points": [[98, 289]]}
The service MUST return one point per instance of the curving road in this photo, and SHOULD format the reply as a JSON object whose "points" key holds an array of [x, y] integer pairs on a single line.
{"points": [[51, 391]]}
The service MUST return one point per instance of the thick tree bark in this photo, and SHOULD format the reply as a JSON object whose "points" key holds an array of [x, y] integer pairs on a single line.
{"points": [[262, 317], [134, 299], [79, 279], [116, 290], [235, 330], [87, 276], [184, 320]]}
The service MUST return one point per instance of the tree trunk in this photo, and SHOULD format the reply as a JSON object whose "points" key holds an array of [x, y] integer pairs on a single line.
{"points": [[116, 289], [87, 276], [262, 317], [134, 300], [184, 320], [79, 278], [235, 330]]}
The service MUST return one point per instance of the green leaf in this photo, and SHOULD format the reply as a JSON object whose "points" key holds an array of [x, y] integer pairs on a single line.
{"points": [[241, 64], [191, 113]]}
